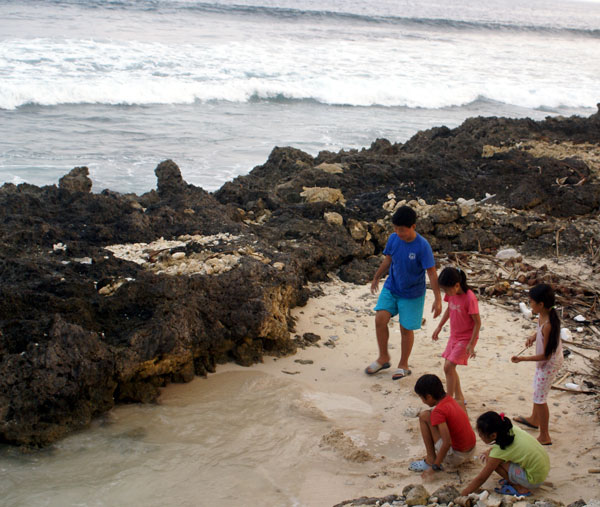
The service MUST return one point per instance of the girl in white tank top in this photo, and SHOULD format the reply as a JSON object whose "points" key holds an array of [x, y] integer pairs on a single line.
{"points": [[548, 357]]}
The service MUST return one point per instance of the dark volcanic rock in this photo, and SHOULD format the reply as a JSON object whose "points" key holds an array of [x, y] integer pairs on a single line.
{"points": [[76, 181], [88, 319], [437, 163]]}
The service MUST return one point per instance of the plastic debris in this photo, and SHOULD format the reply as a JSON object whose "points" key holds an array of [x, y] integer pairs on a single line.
{"points": [[565, 335], [508, 253], [525, 310]]}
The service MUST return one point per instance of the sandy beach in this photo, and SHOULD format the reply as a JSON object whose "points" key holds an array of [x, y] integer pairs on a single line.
{"points": [[372, 422]]}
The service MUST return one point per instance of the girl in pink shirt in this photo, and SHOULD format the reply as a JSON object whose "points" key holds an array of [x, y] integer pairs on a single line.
{"points": [[463, 312]]}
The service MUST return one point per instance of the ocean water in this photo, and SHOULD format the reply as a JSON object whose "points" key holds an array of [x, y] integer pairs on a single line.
{"points": [[120, 85]]}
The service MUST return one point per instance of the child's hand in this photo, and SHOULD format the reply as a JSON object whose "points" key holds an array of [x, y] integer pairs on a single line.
{"points": [[516, 359], [427, 475], [436, 308], [471, 350], [374, 285], [530, 341]]}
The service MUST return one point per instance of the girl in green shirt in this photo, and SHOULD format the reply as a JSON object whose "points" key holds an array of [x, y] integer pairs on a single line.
{"points": [[516, 456]]}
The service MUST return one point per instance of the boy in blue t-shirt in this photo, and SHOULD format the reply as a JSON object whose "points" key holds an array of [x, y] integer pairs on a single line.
{"points": [[407, 256]]}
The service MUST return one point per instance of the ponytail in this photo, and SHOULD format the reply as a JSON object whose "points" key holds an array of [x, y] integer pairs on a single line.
{"points": [[450, 276], [543, 293], [492, 422]]}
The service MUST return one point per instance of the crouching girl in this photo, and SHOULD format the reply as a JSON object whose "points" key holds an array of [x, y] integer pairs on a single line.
{"points": [[515, 455]]}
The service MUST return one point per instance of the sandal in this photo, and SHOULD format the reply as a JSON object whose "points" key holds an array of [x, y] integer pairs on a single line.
{"points": [[521, 420], [374, 367], [419, 466], [507, 489], [400, 373]]}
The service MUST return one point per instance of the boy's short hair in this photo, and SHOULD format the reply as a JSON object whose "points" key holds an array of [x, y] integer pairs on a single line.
{"points": [[430, 384], [404, 216]]}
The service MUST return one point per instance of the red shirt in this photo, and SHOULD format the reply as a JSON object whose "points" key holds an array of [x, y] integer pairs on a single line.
{"points": [[461, 434]]}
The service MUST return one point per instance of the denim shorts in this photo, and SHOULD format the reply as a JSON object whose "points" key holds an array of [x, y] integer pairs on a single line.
{"points": [[517, 475], [409, 310]]}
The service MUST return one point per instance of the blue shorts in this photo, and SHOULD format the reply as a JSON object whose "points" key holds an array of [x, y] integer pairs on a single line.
{"points": [[409, 311]]}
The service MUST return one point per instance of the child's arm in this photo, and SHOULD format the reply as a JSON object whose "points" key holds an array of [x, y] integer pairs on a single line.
{"points": [[537, 357], [475, 335], [436, 308], [490, 465], [438, 330], [383, 268]]}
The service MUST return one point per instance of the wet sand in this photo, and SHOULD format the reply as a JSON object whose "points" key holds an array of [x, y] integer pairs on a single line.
{"points": [[371, 428]]}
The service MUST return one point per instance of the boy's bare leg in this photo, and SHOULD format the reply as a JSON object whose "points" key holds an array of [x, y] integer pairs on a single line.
{"points": [[382, 319], [408, 339], [428, 433], [543, 417]]}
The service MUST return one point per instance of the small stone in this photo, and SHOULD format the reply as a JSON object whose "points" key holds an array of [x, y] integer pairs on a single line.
{"points": [[412, 412], [445, 494], [333, 218], [418, 495]]}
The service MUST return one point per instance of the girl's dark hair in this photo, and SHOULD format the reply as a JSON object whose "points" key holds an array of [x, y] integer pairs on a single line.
{"points": [[543, 293], [450, 276], [430, 384], [493, 422], [405, 216]]}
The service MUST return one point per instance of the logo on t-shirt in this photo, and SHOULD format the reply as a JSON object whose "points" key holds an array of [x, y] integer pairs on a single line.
{"points": [[412, 256], [454, 306]]}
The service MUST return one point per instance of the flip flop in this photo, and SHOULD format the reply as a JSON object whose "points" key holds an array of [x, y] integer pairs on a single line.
{"points": [[507, 489], [521, 420], [374, 367], [400, 373], [419, 466]]}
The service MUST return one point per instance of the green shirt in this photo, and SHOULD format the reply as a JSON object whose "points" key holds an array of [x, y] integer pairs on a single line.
{"points": [[526, 452]]}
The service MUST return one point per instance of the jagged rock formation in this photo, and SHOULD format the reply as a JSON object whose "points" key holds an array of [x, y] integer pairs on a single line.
{"points": [[106, 297]]}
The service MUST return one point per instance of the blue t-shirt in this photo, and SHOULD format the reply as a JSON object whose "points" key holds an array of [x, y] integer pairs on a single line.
{"points": [[406, 278]]}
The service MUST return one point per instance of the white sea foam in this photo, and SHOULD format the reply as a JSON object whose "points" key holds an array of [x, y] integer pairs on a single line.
{"points": [[386, 69], [215, 85]]}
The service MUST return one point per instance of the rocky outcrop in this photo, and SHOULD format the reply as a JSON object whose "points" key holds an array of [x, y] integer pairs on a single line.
{"points": [[441, 162], [107, 297]]}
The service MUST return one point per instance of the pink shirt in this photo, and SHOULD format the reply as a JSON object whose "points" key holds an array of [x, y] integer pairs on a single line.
{"points": [[461, 307]]}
